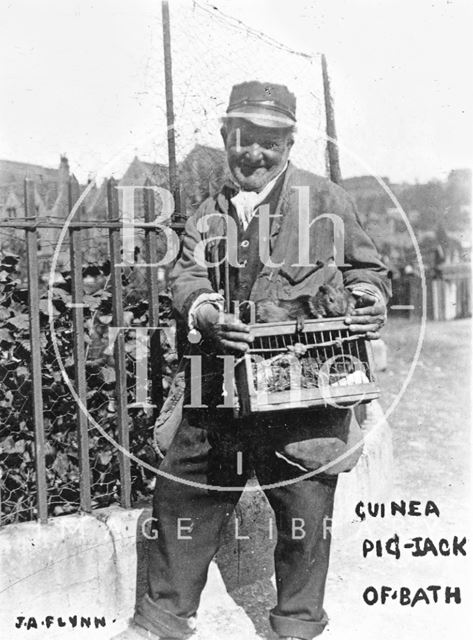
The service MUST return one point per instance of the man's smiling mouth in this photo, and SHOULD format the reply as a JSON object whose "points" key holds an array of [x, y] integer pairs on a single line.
{"points": [[249, 169]]}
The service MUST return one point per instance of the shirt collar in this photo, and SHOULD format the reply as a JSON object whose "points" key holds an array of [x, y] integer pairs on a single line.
{"points": [[246, 202]]}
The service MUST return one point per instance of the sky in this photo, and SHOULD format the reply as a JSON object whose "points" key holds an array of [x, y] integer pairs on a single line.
{"points": [[75, 79]]}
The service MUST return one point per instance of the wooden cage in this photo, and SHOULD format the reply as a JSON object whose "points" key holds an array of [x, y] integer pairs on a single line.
{"points": [[298, 365]]}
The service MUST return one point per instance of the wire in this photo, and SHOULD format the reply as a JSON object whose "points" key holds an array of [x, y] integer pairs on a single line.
{"points": [[238, 24]]}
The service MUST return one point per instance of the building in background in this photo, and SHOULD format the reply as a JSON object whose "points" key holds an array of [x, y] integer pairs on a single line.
{"points": [[51, 201], [438, 212], [440, 215]]}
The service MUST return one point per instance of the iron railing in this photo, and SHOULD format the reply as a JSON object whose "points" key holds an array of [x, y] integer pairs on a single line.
{"points": [[32, 225]]}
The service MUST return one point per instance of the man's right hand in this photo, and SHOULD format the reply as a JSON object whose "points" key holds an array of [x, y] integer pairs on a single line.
{"points": [[227, 333]]}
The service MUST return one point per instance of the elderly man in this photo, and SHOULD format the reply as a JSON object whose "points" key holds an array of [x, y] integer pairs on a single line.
{"points": [[213, 452]]}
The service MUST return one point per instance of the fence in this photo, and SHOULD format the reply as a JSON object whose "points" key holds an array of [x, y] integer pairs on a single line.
{"points": [[448, 293], [61, 375], [70, 390], [451, 292]]}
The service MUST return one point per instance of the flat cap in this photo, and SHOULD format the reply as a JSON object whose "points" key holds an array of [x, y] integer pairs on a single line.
{"points": [[263, 103]]}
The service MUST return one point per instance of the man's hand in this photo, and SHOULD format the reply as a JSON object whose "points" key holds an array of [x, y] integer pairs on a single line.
{"points": [[368, 316], [227, 333]]}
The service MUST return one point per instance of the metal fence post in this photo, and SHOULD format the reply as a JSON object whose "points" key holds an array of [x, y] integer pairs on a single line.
{"points": [[119, 344], [35, 342], [77, 290], [151, 256]]}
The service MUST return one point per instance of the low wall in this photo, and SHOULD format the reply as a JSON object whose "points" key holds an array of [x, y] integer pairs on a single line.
{"points": [[79, 575], [78, 565]]}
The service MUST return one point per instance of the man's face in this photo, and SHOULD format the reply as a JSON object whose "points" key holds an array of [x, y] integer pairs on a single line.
{"points": [[255, 154]]}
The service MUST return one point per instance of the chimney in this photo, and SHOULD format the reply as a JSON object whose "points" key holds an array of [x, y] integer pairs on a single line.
{"points": [[63, 170]]}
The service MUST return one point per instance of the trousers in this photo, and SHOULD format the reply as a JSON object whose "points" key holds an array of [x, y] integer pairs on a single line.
{"points": [[200, 482]]}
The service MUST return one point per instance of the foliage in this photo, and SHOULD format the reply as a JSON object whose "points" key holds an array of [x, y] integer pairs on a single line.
{"points": [[429, 200], [17, 451]]}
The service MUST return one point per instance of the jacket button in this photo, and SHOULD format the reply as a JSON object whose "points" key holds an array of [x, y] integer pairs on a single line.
{"points": [[245, 243]]}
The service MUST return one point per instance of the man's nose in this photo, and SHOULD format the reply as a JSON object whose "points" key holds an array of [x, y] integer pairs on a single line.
{"points": [[254, 152]]}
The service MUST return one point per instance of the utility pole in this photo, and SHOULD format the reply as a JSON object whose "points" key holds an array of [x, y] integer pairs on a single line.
{"points": [[333, 159]]}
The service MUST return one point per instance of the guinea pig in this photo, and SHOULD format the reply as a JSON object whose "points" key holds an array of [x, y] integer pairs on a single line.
{"points": [[328, 302], [332, 302], [282, 310]]}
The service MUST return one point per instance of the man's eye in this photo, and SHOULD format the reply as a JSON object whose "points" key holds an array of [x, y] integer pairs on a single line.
{"points": [[270, 144]]}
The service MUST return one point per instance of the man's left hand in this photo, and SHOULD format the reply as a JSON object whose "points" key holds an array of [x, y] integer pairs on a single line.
{"points": [[368, 316]]}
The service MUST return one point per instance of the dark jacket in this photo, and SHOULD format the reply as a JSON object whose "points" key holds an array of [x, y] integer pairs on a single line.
{"points": [[362, 262], [335, 431]]}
